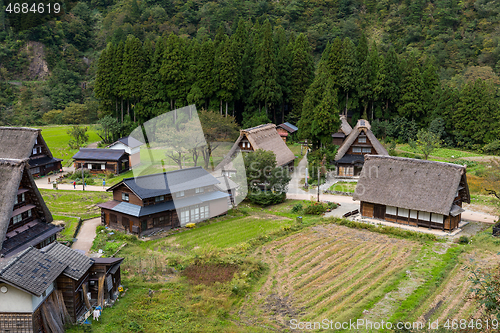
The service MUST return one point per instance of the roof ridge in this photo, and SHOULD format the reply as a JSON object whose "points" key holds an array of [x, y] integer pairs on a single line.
{"points": [[13, 160], [164, 173], [414, 160], [20, 128]]}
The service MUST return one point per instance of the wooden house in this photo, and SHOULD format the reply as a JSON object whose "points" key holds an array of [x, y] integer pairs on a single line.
{"points": [[286, 129], [263, 137], [413, 192], [24, 217], [131, 146], [74, 279], [343, 132], [163, 200], [109, 270], [100, 160], [27, 291], [27, 143], [360, 142]]}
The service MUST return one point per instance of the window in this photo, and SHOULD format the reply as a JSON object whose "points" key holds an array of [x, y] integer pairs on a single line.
{"points": [[425, 216], [39, 150], [199, 190], [204, 213], [195, 213], [35, 170], [413, 214], [160, 198], [34, 151], [362, 139], [29, 213], [403, 212], [391, 210], [366, 150], [103, 166], [184, 217], [438, 218], [125, 196], [356, 150], [179, 194], [89, 166], [17, 200], [17, 219]]}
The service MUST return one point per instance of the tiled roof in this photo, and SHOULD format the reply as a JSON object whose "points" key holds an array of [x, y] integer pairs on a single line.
{"points": [[168, 182], [78, 264], [99, 154], [32, 271], [43, 161], [130, 142]]}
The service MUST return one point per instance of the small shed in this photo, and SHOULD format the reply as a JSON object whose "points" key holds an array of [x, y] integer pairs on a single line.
{"points": [[100, 160], [285, 129], [109, 270], [131, 146]]}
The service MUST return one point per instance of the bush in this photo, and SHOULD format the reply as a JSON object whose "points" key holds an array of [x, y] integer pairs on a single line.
{"points": [[492, 148], [266, 198], [316, 208], [297, 208], [332, 205], [463, 240]]}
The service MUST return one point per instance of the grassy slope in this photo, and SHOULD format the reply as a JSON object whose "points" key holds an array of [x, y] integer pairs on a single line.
{"points": [[343, 187], [57, 139], [75, 203]]}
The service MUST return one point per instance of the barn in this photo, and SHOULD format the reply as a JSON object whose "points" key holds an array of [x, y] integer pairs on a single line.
{"points": [[414, 192]]}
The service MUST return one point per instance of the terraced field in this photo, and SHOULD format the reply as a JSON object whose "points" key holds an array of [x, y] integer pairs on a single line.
{"points": [[341, 274]]}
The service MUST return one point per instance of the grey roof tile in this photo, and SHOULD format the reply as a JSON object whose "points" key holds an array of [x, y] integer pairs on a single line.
{"points": [[78, 264]]}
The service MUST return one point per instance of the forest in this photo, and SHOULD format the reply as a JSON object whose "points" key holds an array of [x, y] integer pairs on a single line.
{"points": [[404, 65]]}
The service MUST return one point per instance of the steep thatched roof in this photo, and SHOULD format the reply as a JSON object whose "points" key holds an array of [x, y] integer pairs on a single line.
{"points": [[363, 126], [344, 126], [410, 183], [17, 142], [11, 174], [267, 138]]}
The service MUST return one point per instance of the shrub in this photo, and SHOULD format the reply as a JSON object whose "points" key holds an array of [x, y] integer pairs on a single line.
{"points": [[332, 205], [190, 225], [297, 208], [463, 240], [316, 208], [266, 198]]}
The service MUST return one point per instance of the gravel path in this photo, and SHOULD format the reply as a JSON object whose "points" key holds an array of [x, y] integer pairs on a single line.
{"points": [[86, 235]]}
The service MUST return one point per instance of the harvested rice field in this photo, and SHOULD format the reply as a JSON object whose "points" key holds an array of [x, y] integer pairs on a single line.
{"points": [[340, 274]]}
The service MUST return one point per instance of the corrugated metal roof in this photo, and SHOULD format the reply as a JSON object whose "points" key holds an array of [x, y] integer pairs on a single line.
{"points": [[99, 154], [289, 127]]}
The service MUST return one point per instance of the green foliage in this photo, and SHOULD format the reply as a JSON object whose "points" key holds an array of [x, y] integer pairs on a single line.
{"points": [[263, 174], [266, 198], [79, 137], [463, 240], [316, 208], [109, 129], [297, 208], [427, 141], [492, 148]]}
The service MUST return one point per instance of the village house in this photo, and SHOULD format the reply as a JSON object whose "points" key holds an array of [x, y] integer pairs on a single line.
{"points": [[360, 142], [131, 146], [27, 143], [413, 192], [345, 129], [100, 160], [164, 200], [263, 137], [286, 129], [24, 217]]}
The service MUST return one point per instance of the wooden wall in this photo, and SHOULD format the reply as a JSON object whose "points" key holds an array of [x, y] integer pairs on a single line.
{"points": [[132, 198]]}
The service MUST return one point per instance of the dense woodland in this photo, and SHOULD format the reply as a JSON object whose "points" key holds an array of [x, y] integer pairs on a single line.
{"points": [[404, 65]]}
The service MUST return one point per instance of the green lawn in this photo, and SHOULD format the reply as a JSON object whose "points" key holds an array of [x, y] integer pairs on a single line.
{"points": [[441, 152], [75, 203], [295, 148], [230, 232], [57, 139], [343, 187], [70, 224]]}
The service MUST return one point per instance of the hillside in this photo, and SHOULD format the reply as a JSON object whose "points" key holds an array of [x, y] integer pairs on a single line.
{"points": [[449, 43]]}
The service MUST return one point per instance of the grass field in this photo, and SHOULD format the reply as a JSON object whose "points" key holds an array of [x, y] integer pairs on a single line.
{"points": [[57, 139], [343, 187], [75, 203], [446, 153]]}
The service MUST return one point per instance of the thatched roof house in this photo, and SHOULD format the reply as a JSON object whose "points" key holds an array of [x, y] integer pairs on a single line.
{"points": [[350, 155], [28, 143], [24, 217], [411, 191], [261, 137]]}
